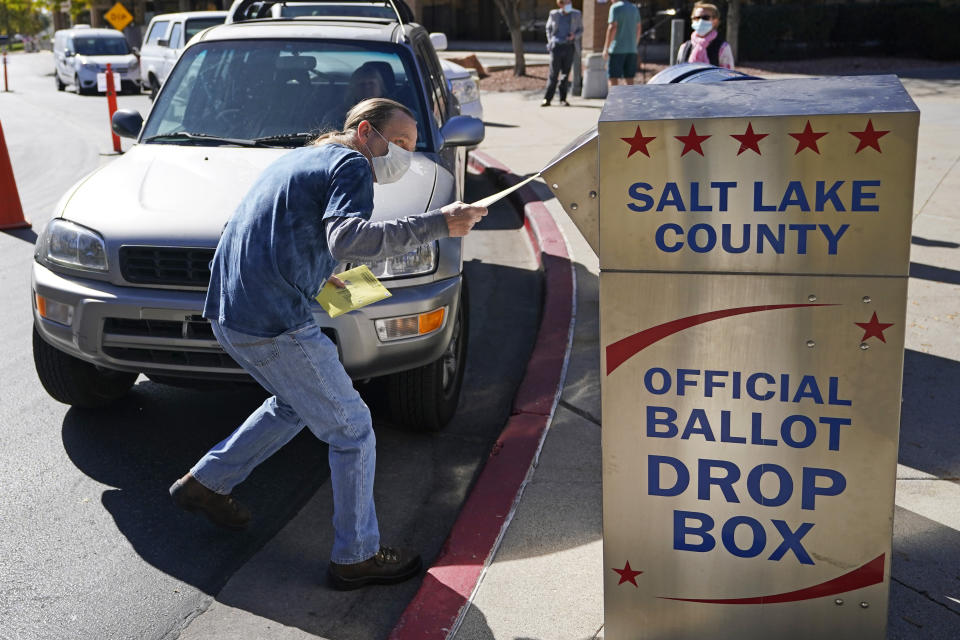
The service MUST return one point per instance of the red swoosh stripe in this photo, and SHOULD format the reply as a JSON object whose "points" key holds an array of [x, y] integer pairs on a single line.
{"points": [[622, 350], [867, 575]]}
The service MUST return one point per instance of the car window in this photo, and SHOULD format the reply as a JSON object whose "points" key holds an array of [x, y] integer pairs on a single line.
{"points": [[157, 31], [100, 46], [175, 35], [196, 25], [435, 80], [257, 88]]}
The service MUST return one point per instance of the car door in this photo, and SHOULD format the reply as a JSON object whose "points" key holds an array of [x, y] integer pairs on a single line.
{"points": [[174, 44], [151, 54]]}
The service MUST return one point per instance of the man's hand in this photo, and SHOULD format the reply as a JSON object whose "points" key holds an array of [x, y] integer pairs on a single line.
{"points": [[461, 218], [337, 282]]}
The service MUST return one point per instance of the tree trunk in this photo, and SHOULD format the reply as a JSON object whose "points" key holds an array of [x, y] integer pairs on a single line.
{"points": [[733, 27], [511, 15]]}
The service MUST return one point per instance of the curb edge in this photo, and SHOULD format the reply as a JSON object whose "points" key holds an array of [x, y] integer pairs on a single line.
{"points": [[449, 586]]}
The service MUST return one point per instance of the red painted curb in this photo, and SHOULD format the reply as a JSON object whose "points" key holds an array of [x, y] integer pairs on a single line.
{"points": [[449, 584]]}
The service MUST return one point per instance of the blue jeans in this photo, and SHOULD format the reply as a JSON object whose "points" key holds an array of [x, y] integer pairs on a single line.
{"points": [[311, 389]]}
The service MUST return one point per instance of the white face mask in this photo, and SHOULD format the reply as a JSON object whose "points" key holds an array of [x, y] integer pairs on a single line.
{"points": [[390, 167], [702, 27]]}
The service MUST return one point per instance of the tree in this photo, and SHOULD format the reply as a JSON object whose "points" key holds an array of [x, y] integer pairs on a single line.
{"points": [[733, 26], [510, 10]]}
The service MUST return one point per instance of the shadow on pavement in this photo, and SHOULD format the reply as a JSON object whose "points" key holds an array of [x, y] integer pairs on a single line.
{"points": [[141, 444], [936, 274], [928, 431], [27, 235], [926, 242], [925, 553]]}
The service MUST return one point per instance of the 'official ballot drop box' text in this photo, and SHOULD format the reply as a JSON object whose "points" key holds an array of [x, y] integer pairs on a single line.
{"points": [[754, 245]]}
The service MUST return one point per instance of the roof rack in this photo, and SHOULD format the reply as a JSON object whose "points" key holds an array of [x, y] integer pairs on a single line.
{"points": [[242, 10]]}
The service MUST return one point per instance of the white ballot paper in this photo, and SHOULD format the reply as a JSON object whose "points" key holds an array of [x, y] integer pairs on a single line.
{"points": [[489, 200]]}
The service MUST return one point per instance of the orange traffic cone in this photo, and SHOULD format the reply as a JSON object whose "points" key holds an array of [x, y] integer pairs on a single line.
{"points": [[11, 212]]}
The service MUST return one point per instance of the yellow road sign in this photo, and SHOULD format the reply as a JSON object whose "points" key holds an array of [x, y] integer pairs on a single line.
{"points": [[118, 16]]}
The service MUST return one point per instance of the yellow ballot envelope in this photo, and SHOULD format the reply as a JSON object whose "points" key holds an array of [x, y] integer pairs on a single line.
{"points": [[362, 289]]}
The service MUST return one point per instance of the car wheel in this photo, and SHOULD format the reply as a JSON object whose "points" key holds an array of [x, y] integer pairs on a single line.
{"points": [[425, 398], [76, 84], [60, 85], [75, 382], [154, 88]]}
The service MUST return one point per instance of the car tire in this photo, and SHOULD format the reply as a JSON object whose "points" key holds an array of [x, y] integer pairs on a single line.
{"points": [[60, 85], [426, 398], [154, 88], [72, 381]]}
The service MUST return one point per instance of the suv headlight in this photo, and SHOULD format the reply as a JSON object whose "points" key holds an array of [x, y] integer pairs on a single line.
{"points": [[465, 90], [74, 246], [419, 261]]}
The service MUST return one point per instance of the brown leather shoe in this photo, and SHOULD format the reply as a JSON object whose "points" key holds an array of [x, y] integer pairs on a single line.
{"points": [[224, 511], [389, 566]]}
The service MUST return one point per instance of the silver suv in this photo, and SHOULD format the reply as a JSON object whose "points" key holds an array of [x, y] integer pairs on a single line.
{"points": [[121, 270]]}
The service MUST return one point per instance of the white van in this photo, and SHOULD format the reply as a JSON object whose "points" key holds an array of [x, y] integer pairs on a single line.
{"points": [[166, 35], [80, 53]]}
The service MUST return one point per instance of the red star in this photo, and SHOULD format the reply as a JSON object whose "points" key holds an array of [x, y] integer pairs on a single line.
{"points": [[807, 139], [874, 328], [869, 137], [628, 575], [639, 143], [691, 141], [749, 139]]}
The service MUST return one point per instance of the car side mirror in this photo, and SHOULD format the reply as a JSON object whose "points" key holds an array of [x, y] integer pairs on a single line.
{"points": [[439, 41], [163, 43], [462, 131], [68, 53], [126, 123]]}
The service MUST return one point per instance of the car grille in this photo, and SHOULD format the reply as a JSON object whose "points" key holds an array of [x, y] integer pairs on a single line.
{"points": [[187, 343], [173, 266]]}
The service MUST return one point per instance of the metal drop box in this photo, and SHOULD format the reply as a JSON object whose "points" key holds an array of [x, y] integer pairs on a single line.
{"points": [[754, 241]]}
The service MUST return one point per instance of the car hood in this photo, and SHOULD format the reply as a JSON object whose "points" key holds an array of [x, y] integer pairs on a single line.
{"points": [[180, 195]]}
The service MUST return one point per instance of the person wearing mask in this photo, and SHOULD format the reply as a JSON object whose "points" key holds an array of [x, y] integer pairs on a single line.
{"points": [[620, 46], [706, 44], [564, 26], [306, 212]]}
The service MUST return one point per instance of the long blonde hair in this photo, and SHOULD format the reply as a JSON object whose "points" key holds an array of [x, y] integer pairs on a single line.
{"points": [[376, 111]]}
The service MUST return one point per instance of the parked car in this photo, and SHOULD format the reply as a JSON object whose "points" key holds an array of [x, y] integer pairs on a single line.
{"points": [[166, 36], [122, 268], [464, 87], [80, 53]]}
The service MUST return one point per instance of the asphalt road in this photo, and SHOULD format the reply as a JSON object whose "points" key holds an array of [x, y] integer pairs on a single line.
{"points": [[91, 546]]}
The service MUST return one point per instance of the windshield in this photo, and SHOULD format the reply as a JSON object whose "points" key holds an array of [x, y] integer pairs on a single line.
{"points": [[250, 89], [196, 25], [100, 46]]}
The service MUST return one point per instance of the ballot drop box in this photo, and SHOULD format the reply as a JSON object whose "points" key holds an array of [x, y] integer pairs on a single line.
{"points": [[754, 243]]}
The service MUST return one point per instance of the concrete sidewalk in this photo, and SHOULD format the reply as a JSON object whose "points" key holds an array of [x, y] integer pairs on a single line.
{"points": [[546, 578]]}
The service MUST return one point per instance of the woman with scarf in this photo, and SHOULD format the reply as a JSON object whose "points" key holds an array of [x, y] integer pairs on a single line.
{"points": [[706, 44]]}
